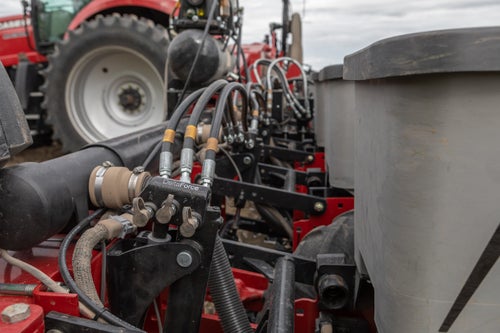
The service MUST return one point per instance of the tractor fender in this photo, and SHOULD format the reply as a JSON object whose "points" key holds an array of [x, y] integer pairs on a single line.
{"points": [[96, 7]]}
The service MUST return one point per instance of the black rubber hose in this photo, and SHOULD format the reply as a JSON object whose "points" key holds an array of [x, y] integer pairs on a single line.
{"points": [[230, 114], [224, 293], [209, 92], [182, 108], [258, 95], [221, 104], [63, 269], [173, 122]]}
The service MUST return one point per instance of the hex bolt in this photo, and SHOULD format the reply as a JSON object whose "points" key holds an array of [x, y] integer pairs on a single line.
{"points": [[247, 160], [15, 313], [319, 207], [184, 259]]}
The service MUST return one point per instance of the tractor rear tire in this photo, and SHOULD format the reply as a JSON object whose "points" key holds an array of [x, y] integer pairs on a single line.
{"points": [[106, 80]]}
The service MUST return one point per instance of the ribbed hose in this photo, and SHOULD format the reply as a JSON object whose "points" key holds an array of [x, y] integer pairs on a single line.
{"points": [[82, 257], [224, 294]]}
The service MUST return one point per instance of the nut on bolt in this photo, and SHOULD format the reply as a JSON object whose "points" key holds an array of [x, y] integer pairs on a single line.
{"points": [[15, 313], [319, 207]]}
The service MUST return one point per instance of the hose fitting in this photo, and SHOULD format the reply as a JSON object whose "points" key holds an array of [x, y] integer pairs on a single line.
{"points": [[166, 162], [208, 172], [186, 164]]}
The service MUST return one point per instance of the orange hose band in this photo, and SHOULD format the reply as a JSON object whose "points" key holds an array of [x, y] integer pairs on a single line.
{"points": [[190, 132], [212, 144], [169, 136], [255, 113]]}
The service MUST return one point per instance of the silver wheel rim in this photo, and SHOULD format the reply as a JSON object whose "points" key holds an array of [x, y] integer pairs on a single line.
{"points": [[113, 91]]}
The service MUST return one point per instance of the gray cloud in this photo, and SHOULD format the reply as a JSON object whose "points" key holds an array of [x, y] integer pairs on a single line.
{"points": [[335, 28]]}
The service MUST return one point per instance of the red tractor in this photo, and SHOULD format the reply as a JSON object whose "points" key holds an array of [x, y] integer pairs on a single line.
{"points": [[106, 76], [94, 69]]}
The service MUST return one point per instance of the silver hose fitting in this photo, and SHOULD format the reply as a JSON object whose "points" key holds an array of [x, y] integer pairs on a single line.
{"points": [[166, 162], [254, 124], [186, 164], [208, 172]]}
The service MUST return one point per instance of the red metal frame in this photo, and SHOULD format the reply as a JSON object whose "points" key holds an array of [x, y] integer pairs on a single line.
{"points": [[335, 207], [33, 324]]}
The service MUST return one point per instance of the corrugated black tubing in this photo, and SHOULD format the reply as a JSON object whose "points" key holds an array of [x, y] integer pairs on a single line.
{"points": [[225, 295]]}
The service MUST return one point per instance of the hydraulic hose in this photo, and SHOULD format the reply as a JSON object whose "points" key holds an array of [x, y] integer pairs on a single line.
{"points": [[166, 154], [221, 104], [208, 169], [82, 255], [182, 108], [205, 97], [100, 311], [305, 110], [187, 152], [173, 122], [224, 293], [292, 101]]}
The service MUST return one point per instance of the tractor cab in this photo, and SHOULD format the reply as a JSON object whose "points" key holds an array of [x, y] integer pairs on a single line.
{"points": [[50, 20]]}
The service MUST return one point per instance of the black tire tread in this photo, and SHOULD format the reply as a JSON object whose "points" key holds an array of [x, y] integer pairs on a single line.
{"points": [[53, 88]]}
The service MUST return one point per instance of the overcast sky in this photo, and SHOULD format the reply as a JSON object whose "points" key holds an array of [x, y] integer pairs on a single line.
{"points": [[335, 28]]}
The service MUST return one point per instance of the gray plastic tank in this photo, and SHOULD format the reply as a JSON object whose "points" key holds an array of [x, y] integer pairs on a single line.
{"points": [[427, 170], [335, 124]]}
